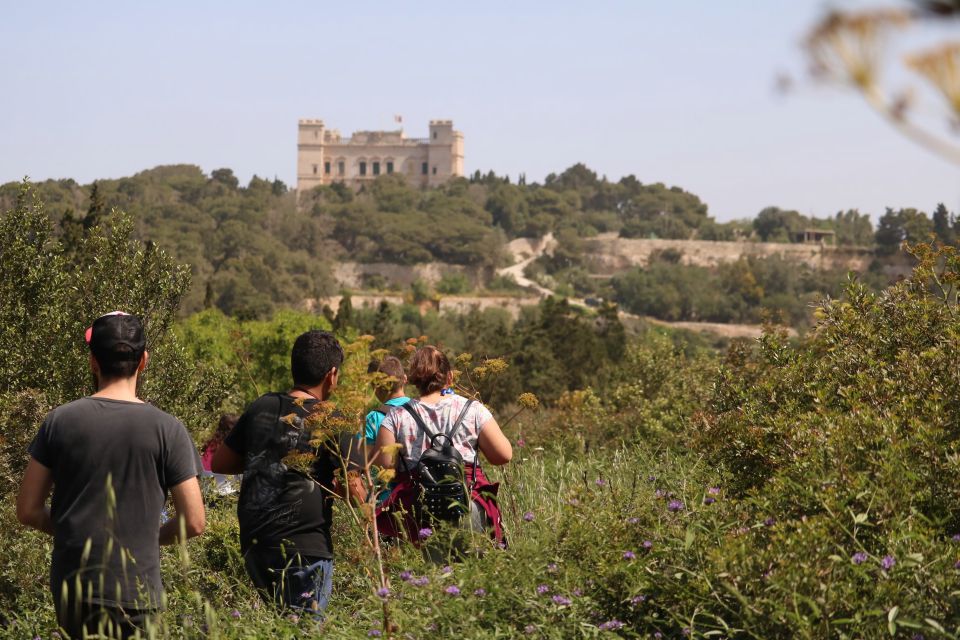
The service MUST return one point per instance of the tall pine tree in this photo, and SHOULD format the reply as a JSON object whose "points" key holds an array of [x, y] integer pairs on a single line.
{"points": [[97, 209], [944, 225]]}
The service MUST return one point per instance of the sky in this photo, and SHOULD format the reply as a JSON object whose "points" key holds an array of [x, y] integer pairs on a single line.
{"points": [[681, 92]]}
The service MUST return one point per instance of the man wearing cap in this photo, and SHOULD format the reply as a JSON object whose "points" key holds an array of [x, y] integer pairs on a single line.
{"points": [[110, 460]]}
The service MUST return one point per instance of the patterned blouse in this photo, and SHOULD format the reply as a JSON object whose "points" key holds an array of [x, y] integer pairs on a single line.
{"points": [[439, 416]]}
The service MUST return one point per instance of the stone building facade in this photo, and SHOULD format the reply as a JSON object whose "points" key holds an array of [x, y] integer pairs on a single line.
{"points": [[325, 157]]}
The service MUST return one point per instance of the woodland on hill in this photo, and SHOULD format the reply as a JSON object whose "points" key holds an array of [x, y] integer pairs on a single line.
{"points": [[255, 248]]}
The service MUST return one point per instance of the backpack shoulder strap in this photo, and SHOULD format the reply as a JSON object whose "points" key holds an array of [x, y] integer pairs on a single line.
{"points": [[463, 413], [420, 423], [383, 409]]}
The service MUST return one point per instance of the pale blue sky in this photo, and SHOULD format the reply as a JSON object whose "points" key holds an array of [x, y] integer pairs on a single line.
{"points": [[680, 92]]}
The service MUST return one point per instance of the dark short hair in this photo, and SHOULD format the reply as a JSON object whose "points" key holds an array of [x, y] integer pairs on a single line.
{"points": [[429, 368], [391, 366], [113, 369], [314, 354]]}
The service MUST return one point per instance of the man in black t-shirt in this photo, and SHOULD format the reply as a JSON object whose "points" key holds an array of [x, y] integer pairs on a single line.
{"points": [[110, 460], [285, 514]]}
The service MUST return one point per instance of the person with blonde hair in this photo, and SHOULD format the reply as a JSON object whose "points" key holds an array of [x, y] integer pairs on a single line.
{"points": [[471, 429]]}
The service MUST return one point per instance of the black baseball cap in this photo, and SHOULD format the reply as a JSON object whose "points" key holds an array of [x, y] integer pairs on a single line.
{"points": [[117, 335]]}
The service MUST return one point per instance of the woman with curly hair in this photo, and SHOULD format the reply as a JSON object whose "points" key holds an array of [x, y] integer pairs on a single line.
{"points": [[439, 408]]}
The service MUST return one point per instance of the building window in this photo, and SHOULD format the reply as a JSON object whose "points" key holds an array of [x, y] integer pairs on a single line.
{"points": [[316, 134], [389, 167], [363, 168], [434, 135], [423, 168], [341, 168], [326, 168], [376, 168], [314, 169], [434, 171]]}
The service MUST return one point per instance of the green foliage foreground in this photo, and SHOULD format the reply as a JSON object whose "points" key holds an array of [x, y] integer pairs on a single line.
{"points": [[810, 491]]}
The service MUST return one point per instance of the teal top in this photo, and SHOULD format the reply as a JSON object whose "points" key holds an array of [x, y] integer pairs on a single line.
{"points": [[375, 419]]}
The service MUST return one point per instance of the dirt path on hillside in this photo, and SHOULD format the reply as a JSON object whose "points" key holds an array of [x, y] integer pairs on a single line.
{"points": [[526, 250]]}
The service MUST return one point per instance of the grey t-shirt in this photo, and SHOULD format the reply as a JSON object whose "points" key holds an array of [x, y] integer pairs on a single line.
{"points": [[112, 463]]}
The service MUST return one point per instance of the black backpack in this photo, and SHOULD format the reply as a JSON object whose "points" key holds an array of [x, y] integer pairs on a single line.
{"points": [[439, 475]]}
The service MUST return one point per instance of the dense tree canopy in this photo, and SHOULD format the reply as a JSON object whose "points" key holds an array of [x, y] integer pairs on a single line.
{"points": [[255, 248]]}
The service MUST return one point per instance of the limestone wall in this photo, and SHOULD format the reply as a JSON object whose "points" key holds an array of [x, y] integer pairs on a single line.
{"points": [[444, 304], [351, 274], [608, 254]]}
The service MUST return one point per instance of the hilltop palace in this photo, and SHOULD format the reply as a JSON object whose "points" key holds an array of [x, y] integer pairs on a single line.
{"points": [[324, 157]]}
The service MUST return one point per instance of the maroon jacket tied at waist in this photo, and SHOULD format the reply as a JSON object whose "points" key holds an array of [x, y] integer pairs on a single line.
{"points": [[395, 517]]}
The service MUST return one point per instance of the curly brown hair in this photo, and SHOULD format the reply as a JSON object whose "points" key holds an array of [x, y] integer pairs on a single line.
{"points": [[429, 370]]}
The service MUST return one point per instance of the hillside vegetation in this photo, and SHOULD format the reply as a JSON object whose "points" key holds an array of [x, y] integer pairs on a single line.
{"points": [[253, 248]]}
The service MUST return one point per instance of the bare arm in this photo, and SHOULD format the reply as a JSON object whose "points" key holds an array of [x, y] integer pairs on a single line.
{"points": [[494, 445], [226, 460], [35, 488], [190, 519], [382, 453]]}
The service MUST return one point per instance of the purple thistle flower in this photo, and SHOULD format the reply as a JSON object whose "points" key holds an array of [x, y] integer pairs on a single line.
{"points": [[651, 478], [453, 590], [235, 613], [529, 629], [406, 576], [552, 567], [521, 442], [674, 506], [859, 557], [888, 562], [611, 625], [709, 500], [660, 493], [421, 581], [629, 555], [562, 601], [573, 502], [447, 570], [600, 482], [956, 537], [769, 522], [383, 592], [657, 635], [647, 544], [480, 592], [635, 600], [425, 533], [956, 565], [374, 633], [577, 593], [528, 516], [714, 491], [633, 520], [542, 589]]}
